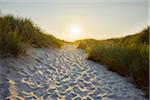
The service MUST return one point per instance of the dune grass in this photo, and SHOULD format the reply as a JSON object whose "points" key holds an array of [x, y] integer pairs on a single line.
{"points": [[128, 56], [18, 34]]}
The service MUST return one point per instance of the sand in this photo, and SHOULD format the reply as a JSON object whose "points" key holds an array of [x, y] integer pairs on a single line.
{"points": [[65, 74]]}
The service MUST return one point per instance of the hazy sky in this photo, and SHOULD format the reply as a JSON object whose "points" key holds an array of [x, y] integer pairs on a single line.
{"points": [[98, 19]]}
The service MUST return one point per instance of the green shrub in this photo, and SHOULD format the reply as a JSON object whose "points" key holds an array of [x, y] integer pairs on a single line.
{"points": [[128, 56], [17, 34], [11, 43]]}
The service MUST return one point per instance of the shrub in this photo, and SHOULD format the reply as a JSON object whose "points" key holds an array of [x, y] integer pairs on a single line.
{"points": [[11, 43], [17, 34], [128, 56]]}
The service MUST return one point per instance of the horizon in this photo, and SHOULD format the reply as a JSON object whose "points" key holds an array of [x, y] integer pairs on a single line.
{"points": [[73, 21]]}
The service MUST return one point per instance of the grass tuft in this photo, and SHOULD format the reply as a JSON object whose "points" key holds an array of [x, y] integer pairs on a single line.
{"points": [[128, 56], [17, 34]]}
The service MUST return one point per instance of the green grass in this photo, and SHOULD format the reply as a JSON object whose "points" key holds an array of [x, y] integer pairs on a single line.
{"points": [[128, 56], [18, 34]]}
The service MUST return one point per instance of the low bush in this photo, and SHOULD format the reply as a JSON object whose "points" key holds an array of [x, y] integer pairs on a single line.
{"points": [[17, 34], [128, 56]]}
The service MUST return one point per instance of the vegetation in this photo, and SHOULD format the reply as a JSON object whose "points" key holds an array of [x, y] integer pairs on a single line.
{"points": [[128, 56], [17, 34]]}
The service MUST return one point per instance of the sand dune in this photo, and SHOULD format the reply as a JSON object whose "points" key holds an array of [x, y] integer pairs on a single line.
{"points": [[62, 74]]}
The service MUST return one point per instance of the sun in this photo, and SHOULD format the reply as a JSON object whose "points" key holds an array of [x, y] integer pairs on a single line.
{"points": [[75, 31]]}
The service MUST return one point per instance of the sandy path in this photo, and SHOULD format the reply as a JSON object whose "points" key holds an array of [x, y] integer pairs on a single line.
{"points": [[62, 74]]}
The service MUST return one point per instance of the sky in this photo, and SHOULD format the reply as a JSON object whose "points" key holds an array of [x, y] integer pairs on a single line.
{"points": [[79, 19]]}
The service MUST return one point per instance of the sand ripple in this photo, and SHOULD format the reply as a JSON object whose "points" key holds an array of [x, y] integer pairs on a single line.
{"points": [[63, 75]]}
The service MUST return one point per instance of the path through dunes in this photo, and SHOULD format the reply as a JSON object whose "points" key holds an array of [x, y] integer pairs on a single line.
{"points": [[62, 74]]}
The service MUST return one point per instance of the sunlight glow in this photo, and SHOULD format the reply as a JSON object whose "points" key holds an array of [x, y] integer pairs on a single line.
{"points": [[75, 31]]}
